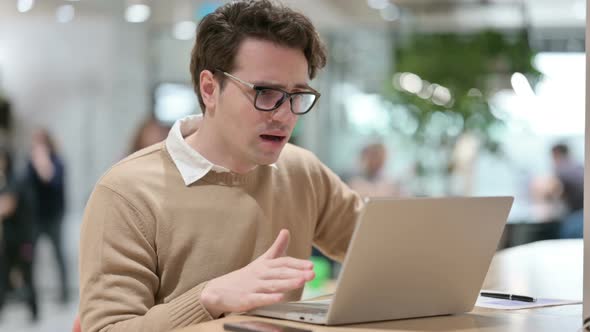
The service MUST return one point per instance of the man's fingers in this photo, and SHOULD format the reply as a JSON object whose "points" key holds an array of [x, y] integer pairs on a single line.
{"points": [[290, 262], [279, 247], [288, 273], [280, 286]]}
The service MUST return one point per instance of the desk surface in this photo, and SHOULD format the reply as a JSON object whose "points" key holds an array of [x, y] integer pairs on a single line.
{"points": [[542, 269]]}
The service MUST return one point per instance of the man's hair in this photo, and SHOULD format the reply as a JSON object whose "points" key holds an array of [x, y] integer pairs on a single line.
{"points": [[560, 149], [220, 34]]}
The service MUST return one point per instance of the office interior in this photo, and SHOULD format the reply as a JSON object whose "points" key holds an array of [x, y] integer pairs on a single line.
{"points": [[448, 98]]}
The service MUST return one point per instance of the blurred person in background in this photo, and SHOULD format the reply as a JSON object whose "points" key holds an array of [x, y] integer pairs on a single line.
{"points": [[546, 204], [371, 180], [46, 171], [221, 216], [18, 233], [151, 131], [570, 174]]}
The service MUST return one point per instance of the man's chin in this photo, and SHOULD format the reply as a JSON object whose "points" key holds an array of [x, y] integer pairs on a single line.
{"points": [[267, 161], [268, 158]]}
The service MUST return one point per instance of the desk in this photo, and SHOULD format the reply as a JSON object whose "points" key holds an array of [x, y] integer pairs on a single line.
{"points": [[544, 269]]}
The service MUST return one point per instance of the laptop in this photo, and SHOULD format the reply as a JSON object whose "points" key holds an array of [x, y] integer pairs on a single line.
{"points": [[409, 258]]}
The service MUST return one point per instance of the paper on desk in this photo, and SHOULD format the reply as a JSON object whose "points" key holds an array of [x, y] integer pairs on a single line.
{"points": [[493, 303]]}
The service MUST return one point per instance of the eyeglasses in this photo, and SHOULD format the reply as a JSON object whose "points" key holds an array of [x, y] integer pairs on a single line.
{"points": [[269, 99]]}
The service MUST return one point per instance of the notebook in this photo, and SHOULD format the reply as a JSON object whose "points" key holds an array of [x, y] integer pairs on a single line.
{"points": [[409, 258]]}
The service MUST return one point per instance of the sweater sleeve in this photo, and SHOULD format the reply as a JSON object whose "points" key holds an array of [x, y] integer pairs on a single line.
{"points": [[118, 272], [339, 209]]}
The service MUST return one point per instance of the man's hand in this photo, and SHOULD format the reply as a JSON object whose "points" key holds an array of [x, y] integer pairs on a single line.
{"points": [[262, 282]]}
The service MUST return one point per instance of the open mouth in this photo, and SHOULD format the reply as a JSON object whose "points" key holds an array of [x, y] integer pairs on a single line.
{"points": [[272, 138]]}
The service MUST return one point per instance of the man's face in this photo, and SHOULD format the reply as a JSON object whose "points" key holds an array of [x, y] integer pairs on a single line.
{"points": [[252, 137], [558, 158], [374, 159]]}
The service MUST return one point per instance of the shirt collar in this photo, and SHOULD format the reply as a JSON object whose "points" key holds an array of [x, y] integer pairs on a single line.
{"points": [[190, 163]]}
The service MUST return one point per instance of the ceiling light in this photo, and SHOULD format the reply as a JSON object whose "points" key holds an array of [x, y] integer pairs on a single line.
{"points": [[24, 6], [378, 4], [390, 13], [65, 13], [137, 13], [185, 30]]}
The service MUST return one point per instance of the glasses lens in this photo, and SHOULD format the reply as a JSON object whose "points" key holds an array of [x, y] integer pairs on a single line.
{"points": [[268, 99], [301, 103]]}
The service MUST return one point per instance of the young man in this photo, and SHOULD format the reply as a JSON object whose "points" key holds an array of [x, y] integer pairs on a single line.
{"points": [[222, 215]]}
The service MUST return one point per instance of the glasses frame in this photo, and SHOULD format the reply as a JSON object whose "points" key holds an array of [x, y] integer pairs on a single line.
{"points": [[286, 95]]}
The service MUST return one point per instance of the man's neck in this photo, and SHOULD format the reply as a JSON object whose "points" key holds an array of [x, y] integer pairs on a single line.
{"points": [[211, 146]]}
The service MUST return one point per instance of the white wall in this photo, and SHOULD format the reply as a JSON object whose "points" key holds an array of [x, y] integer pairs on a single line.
{"points": [[86, 81], [171, 57]]}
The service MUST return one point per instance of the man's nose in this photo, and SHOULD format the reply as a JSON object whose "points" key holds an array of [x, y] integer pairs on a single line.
{"points": [[283, 113]]}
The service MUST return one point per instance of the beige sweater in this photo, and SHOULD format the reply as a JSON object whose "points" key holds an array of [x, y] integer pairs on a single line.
{"points": [[149, 243]]}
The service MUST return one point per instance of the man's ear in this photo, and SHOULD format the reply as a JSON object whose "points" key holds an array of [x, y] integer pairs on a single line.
{"points": [[209, 89]]}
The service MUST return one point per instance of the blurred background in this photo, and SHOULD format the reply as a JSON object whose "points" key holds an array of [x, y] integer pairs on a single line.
{"points": [[419, 98]]}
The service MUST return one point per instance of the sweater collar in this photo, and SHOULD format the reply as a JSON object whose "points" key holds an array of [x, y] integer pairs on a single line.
{"points": [[192, 165]]}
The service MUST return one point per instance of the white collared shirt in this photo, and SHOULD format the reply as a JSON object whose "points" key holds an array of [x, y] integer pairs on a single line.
{"points": [[190, 163]]}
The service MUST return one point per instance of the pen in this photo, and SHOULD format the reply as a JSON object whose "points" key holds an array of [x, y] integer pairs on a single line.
{"points": [[511, 297]]}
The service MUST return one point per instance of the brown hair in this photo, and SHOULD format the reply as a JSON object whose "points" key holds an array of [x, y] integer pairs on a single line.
{"points": [[560, 149], [220, 34]]}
